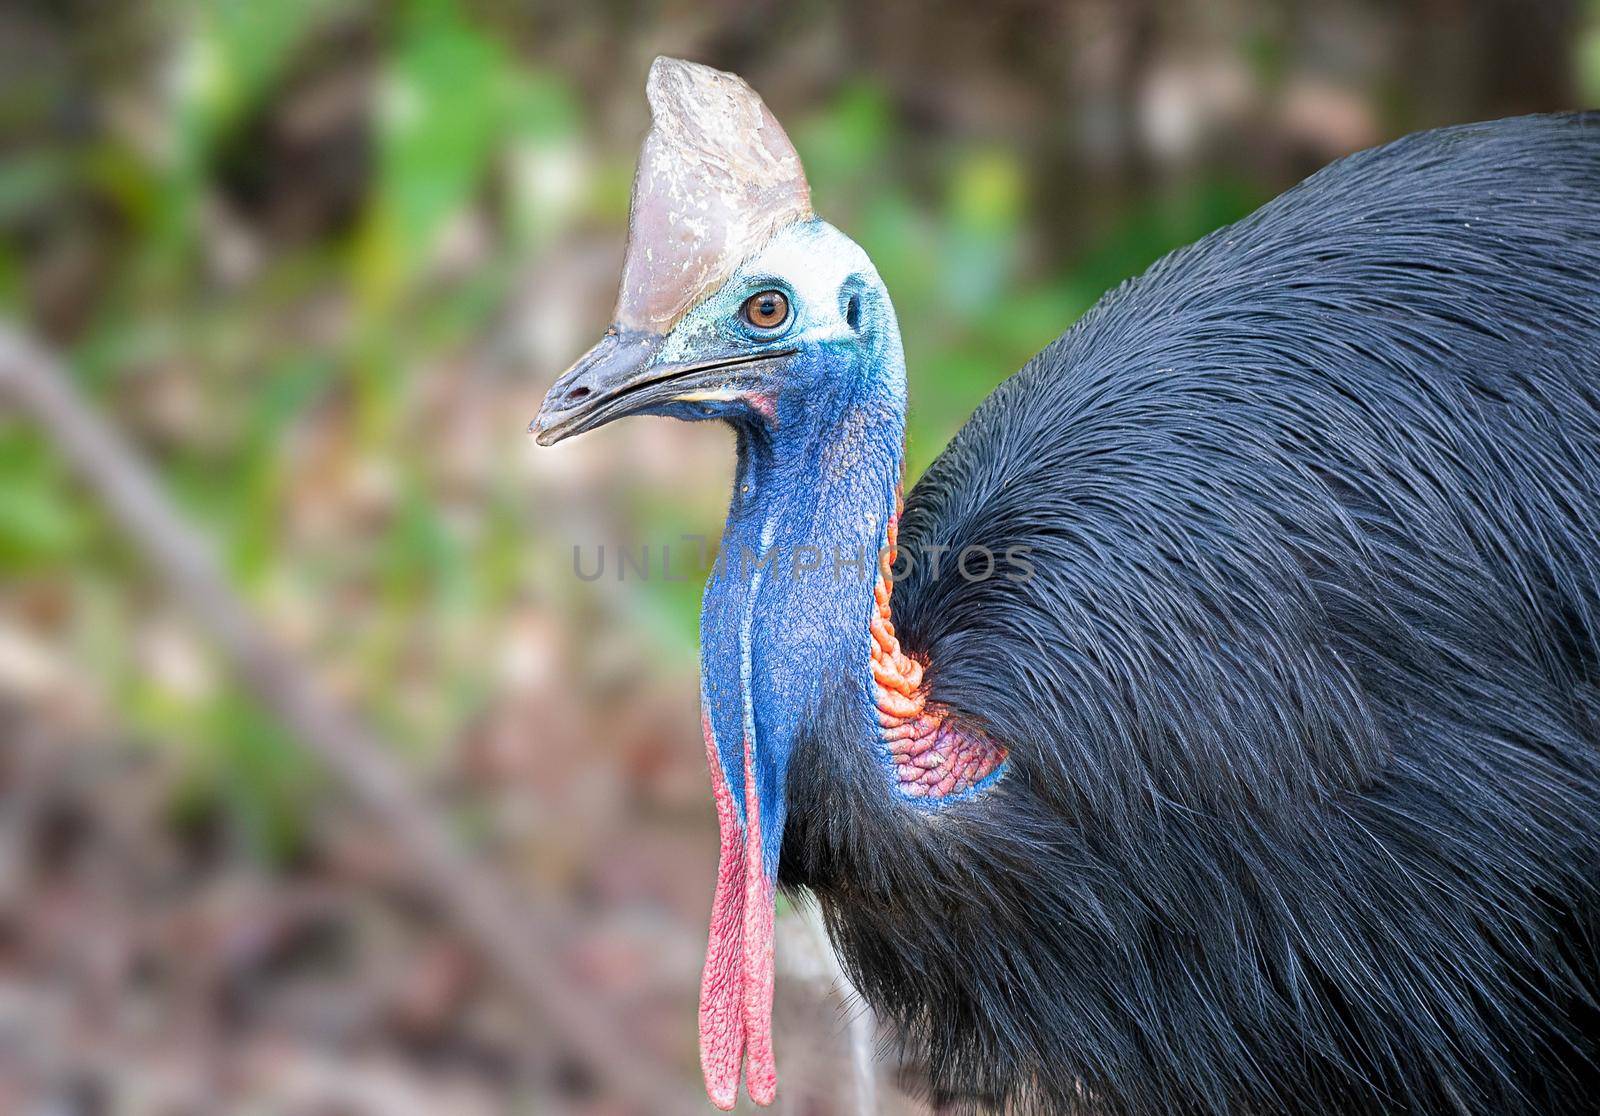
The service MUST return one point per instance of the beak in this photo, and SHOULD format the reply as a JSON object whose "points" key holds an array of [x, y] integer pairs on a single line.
{"points": [[619, 377]]}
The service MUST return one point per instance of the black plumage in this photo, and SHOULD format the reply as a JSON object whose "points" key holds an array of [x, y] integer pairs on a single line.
{"points": [[1303, 697]]}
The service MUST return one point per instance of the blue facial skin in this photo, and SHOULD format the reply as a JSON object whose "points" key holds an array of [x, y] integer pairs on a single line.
{"points": [[819, 467]]}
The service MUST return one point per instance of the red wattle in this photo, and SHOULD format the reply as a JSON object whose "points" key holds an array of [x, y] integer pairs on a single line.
{"points": [[736, 985], [721, 983]]}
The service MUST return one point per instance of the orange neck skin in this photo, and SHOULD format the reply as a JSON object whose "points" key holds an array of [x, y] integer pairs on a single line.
{"points": [[933, 758]]}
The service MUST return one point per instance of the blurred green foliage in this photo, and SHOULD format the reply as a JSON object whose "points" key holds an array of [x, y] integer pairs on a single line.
{"points": [[1589, 58]]}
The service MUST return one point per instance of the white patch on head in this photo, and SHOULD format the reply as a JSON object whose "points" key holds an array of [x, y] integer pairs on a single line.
{"points": [[812, 259]]}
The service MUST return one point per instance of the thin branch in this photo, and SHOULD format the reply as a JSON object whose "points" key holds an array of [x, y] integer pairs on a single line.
{"points": [[509, 934]]}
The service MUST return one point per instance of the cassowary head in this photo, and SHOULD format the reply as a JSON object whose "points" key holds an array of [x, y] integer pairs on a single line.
{"points": [[738, 304]]}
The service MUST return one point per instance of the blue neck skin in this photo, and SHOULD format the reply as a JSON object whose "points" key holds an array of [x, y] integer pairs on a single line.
{"points": [[823, 471]]}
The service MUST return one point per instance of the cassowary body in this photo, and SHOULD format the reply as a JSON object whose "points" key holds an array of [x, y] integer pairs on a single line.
{"points": [[1303, 702], [1263, 773]]}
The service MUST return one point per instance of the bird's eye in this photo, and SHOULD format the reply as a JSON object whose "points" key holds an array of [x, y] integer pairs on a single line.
{"points": [[766, 309]]}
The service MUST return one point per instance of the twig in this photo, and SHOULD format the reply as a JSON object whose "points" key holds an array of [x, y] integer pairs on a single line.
{"points": [[509, 934]]}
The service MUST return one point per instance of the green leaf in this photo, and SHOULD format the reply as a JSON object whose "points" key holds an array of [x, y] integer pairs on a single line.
{"points": [[240, 49], [445, 102], [234, 52], [1588, 67], [40, 521]]}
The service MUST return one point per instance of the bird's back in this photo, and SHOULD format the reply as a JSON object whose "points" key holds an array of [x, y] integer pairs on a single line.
{"points": [[1354, 437], [1302, 694]]}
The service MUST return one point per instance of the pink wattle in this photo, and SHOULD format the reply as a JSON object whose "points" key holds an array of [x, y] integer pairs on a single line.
{"points": [[736, 986], [721, 984]]}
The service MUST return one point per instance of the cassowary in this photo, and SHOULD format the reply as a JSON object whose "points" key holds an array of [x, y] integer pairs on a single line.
{"points": [[1215, 728]]}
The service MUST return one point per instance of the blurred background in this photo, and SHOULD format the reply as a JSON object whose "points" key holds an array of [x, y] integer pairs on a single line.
{"points": [[316, 261]]}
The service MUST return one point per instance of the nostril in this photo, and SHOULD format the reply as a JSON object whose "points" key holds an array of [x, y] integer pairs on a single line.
{"points": [[577, 393]]}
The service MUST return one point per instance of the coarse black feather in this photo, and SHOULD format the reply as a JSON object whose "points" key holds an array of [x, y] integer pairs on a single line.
{"points": [[1302, 813]]}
